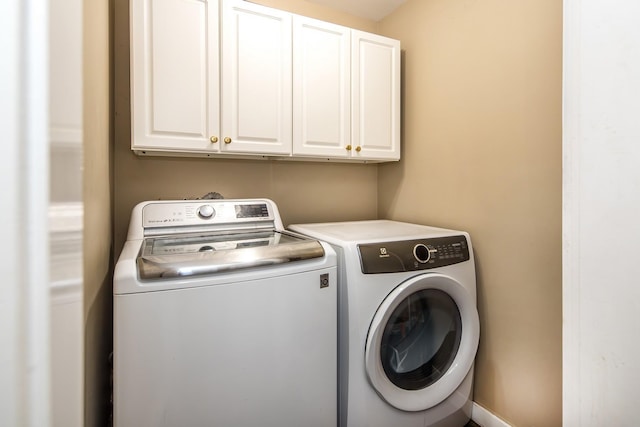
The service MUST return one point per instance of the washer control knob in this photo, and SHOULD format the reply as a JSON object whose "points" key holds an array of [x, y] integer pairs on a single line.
{"points": [[421, 253], [206, 212]]}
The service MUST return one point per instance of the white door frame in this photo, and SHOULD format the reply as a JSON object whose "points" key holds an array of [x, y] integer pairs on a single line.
{"points": [[601, 63], [24, 253]]}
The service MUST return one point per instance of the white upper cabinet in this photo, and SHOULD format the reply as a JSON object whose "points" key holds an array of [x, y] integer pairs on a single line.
{"points": [[321, 88], [375, 91], [230, 77], [174, 75], [256, 79]]}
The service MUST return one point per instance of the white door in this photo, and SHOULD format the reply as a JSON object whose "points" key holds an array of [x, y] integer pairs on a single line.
{"points": [[175, 75], [256, 79], [25, 364], [375, 86], [422, 342], [321, 88]]}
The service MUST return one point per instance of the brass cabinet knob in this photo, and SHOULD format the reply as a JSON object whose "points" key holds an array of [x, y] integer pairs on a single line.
{"points": [[358, 148], [213, 139], [348, 147], [227, 140]]}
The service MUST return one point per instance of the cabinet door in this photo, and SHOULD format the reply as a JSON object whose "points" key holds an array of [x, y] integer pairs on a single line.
{"points": [[174, 75], [375, 86], [256, 79], [321, 88]]}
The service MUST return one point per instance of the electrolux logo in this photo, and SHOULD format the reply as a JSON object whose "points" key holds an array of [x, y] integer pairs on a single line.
{"points": [[324, 280], [383, 253]]}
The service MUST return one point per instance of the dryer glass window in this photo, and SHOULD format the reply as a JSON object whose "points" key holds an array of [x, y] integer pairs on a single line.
{"points": [[421, 339]]}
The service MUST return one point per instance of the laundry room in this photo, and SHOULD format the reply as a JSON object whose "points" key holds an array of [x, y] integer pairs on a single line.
{"points": [[480, 151]]}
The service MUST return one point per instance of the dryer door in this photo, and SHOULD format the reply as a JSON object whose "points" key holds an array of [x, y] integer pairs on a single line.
{"points": [[422, 342]]}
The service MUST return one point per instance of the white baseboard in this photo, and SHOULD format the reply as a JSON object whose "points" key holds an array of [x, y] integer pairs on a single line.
{"points": [[484, 418]]}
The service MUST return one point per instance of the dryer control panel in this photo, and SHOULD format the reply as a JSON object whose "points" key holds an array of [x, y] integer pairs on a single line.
{"points": [[412, 255]]}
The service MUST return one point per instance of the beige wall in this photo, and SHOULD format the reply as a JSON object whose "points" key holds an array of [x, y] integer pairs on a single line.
{"points": [[97, 119], [304, 192], [482, 152], [305, 8]]}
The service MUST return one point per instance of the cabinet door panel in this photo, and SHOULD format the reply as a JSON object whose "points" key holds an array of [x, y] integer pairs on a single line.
{"points": [[376, 96], [321, 89], [174, 74], [256, 79]]}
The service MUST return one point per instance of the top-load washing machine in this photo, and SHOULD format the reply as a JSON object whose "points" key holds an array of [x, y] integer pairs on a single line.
{"points": [[408, 323], [222, 318]]}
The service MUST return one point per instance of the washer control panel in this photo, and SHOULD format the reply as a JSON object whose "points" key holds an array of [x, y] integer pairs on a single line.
{"points": [[413, 255], [203, 212]]}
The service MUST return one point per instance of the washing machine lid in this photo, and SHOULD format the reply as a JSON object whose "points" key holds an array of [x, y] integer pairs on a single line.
{"points": [[422, 342], [183, 255]]}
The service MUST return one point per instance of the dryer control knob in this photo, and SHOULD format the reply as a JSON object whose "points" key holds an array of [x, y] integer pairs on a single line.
{"points": [[421, 253], [206, 212]]}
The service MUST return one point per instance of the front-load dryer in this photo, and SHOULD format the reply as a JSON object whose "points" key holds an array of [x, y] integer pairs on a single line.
{"points": [[407, 323]]}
